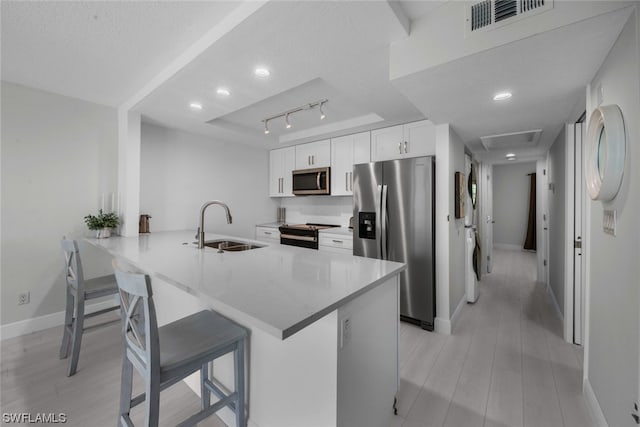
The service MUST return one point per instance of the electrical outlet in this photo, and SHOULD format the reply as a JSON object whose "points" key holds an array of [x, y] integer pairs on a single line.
{"points": [[23, 298], [609, 222]]}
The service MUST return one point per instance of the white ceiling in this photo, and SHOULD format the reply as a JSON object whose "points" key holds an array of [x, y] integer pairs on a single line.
{"points": [[315, 50], [105, 52], [99, 51], [546, 73]]}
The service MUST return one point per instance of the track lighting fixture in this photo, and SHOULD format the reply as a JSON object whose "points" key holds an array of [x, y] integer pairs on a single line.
{"points": [[287, 113]]}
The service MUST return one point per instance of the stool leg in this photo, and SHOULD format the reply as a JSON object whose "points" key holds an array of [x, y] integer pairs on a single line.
{"points": [[152, 398], [78, 327], [205, 394], [239, 368], [126, 388], [68, 323]]}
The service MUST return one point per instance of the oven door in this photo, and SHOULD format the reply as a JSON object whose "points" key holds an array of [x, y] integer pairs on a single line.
{"points": [[297, 237], [311, 181]]}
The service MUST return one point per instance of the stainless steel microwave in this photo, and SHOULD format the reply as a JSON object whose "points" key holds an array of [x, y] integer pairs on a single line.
{"points": [[311, 181]]}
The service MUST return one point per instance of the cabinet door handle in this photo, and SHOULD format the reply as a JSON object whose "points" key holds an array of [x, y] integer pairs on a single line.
{"points": [[405, 147], [346, 181], [313, 159], [267, 232], [351, 180], [400, 147], [337, 241]]}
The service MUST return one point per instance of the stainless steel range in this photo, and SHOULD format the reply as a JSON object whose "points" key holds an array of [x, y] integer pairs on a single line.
{"points": [[303, 235]]}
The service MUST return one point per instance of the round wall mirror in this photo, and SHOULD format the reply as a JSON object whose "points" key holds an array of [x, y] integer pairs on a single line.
{"points": [[606, 152]]}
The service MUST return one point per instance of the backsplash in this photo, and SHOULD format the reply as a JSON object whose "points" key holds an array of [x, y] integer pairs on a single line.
{"points": [[318, 209]]}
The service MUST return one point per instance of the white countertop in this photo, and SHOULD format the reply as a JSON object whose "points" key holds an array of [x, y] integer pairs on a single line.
{"points": [[278, 288]]}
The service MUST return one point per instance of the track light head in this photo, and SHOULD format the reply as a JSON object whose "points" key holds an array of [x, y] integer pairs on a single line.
{"points": [[266, 127], [322, 115], [286, 121]]}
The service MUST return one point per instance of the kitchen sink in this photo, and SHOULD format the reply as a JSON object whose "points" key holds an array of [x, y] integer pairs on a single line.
{"points": [[231, 246]]}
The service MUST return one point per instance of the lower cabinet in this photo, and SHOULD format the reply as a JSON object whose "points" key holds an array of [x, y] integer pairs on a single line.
{"points": [[337, 243], [268, 234]]}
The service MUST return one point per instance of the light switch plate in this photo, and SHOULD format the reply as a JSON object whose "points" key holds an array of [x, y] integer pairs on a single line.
{"points": [[609, 222]]}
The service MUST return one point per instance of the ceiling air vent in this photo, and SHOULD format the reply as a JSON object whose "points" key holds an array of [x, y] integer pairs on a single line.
{"points": [[490, 14]]}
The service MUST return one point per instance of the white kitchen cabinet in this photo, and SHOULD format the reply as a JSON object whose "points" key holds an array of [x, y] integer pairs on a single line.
{"points": [[281, 164], [336, 242], [403, 141], [313, 155], [268, 234], [347, 151]]}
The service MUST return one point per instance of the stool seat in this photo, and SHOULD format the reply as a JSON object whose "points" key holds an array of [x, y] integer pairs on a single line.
{"points": [[100, 286], [193, 338]]}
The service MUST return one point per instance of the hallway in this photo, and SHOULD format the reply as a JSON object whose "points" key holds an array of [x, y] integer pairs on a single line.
{"points": [[505, 365]]}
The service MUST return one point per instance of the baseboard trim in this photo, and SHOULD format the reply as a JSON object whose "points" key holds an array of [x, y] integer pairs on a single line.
{"points": [[446, 326], [35, 324], [593, 405]]}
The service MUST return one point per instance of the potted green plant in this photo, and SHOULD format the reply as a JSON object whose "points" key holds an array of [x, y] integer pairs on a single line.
{"points": [[102, 223]]}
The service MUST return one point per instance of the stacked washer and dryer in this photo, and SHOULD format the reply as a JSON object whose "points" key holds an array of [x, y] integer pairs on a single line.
{"points": [[470, 225]]}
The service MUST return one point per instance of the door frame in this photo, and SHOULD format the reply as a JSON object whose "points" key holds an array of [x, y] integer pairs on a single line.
{"points": [[575, 209], [485, 198]]}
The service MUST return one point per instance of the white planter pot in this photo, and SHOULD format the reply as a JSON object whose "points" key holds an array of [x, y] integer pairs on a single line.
{"points": [[103, 233]]}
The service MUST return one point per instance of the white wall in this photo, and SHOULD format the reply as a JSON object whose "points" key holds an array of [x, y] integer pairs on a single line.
{"points": [[318, 209], [457, 238], [59, 155], [449, 231], [180, 171], [556, 208], [511, 188], [611, 353]]}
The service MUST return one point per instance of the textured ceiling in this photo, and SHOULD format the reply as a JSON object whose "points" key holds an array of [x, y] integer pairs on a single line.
{"points": [[106, 52], [100, 51]]}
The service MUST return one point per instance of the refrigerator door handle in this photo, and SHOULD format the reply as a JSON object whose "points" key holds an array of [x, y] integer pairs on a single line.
{"points": [[379, 222], [383, 221]]}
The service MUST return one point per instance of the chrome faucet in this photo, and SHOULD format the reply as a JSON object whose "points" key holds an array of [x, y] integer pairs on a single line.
{"points": [[200, 233]]}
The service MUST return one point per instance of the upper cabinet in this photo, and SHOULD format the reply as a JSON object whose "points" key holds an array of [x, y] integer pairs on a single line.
{"points": [[281, 164], [347, 151], [410, 140], [313, 155]]}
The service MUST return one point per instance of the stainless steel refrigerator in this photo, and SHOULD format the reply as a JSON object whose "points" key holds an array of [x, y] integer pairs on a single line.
{"points": [[393, 207]]}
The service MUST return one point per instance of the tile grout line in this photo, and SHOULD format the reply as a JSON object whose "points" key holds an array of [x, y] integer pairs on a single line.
{"points": [[464, 361]]}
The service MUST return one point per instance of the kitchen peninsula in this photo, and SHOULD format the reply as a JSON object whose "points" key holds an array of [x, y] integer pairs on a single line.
{"points": [[324, 326]]}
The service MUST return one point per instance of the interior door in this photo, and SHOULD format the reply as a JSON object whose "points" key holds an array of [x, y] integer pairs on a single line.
{"points": [[578, 203], [487, 221]]}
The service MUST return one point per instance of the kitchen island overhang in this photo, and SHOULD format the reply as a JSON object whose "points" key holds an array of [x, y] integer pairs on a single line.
{"points": [[324, 326]]}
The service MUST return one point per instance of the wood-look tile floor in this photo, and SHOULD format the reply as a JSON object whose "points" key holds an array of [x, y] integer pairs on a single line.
{"points": [[505, 365], [33, 380]]}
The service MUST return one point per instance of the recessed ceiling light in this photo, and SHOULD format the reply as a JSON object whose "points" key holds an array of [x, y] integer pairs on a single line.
{"points": [[502, 96], [510, 155], [510, 158], [223, 91], [261, 72], [195, 106]]}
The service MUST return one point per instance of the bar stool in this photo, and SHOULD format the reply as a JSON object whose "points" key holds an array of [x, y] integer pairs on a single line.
{"points": [[80, 290], [166, 355]]}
